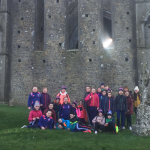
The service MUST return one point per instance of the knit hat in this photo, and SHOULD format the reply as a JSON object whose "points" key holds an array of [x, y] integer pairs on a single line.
{"points": [[36, 104], [72, 112], [136, 88], [103, 90], [109, 113], [102, 84], [63, 87], [100, 111], [120, 89], [75, 102], [109, 89], [57, 97]]}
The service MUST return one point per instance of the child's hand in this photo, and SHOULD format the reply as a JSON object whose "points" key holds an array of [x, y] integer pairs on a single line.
{"points": [[106, 124], [29, 108], [90, 97], [54, 127], [41, 105], [128, 110], [37, 117], [42, 128], [34, 118], [97, 108], [68, 129]]}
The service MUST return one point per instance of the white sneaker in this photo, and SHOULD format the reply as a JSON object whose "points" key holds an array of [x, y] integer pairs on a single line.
{"points": [[95, 132], [130, 128], [123, 127], [24, 126]]}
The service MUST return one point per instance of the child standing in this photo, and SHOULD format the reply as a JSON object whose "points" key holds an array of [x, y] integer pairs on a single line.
{"points": [[99, 121], [130, 109], [50, 108], [64, 111], [57, 106], [63, 94], [109, 103], [137, 98], [110, 123], [33, 97], [46, 99], [35, 114], [121, 107], [93, 104]]}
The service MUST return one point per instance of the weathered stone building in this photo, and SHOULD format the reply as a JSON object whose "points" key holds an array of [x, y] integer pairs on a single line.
{"points": [[60, 42]]}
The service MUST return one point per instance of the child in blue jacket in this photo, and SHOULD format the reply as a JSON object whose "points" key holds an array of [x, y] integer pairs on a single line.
{"points": [[65, 108], [45, 121]]}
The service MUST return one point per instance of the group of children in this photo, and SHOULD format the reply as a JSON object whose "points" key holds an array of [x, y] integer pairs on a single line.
{"points": [[96, 110]]}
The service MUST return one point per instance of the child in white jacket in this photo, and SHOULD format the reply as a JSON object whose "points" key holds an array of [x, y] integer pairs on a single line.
{"points": [[99, 121]]}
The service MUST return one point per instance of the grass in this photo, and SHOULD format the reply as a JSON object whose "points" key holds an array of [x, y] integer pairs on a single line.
{"points": [[12, 137]]}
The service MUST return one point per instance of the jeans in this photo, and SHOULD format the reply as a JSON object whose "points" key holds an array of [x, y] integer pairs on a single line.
{"points": [[98, 126], [122, 112]]}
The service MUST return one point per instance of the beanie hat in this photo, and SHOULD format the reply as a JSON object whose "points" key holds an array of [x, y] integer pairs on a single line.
{"points": [[36, 104], [103, 90], [109, 89], [136, 88], [100, 111], [63, 87], [57, 97], [72, 112], [120, 89], [102, 84], [109, 113], [75, 102]]}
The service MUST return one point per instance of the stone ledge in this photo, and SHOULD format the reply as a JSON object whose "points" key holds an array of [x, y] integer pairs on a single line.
{"points": [[73, 50]]}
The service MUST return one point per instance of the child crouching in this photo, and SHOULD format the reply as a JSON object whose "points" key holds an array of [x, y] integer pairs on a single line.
{"points": [[99, 121], [110, 123]]}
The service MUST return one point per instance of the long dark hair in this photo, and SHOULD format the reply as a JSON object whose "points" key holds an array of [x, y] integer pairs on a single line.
{"points": [[137, 94]]}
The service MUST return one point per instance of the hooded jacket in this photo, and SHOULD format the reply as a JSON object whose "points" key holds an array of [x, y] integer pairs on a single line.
{"points": [[53, 113], [130, 106], [101, 120], [109, 105], [102, 102], [62, 95]]}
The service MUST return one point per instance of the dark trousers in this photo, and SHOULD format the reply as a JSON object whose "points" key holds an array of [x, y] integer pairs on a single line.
{"points": [[88, 112], [34, 126], [98, 126], [56, 116], [135, 110], [122, 112], [79, 128], [93, 113], [110, 127], [128, 120], [42, 109], [81, 120]]}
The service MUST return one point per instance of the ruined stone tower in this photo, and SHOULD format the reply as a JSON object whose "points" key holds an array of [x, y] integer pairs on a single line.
{"points": [[60, 42]]}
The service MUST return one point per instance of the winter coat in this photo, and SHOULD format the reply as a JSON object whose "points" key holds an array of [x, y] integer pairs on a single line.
{"points": [[62, 95], [34, 114], [100, 120], [46, 122], [56, 106], [53, 113], [130, 106], [64, 111], [94, 101], [83, 112], [109, 105], [34, 97], [84, 102], [65, 124], [111, 120], [137, 98], [121, 103], [46, 100], [102, 101]]}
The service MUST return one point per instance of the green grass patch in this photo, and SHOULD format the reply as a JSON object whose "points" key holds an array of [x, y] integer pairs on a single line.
{"points": [[12, 137]]}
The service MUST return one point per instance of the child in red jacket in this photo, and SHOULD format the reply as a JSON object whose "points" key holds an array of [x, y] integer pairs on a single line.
{"points": [[35, 114], [93, 99], [130, 109]]}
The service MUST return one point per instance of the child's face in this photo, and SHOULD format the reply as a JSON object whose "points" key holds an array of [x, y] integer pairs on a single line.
{"points": [[102, 86], [35, 89], [99, 90], [104, 93], [127, 94], [60, 126], [126, 89], [73, 105], [48, 114], [45, 90], [106, 87], [109, 117], [120, 92], [136, 91], [71, 116], [51, 106], [59, 120], [63, 90], [66, 100], [80, 103], [88, 89], [37, 107], [93, 91], [100, 114], [109, 94], [57, 100]]}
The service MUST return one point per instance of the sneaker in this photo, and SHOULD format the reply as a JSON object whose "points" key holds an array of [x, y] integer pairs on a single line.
{"points": [[95, 132], [130, 128], [89, 131], [123, 127], [24, 127]]}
